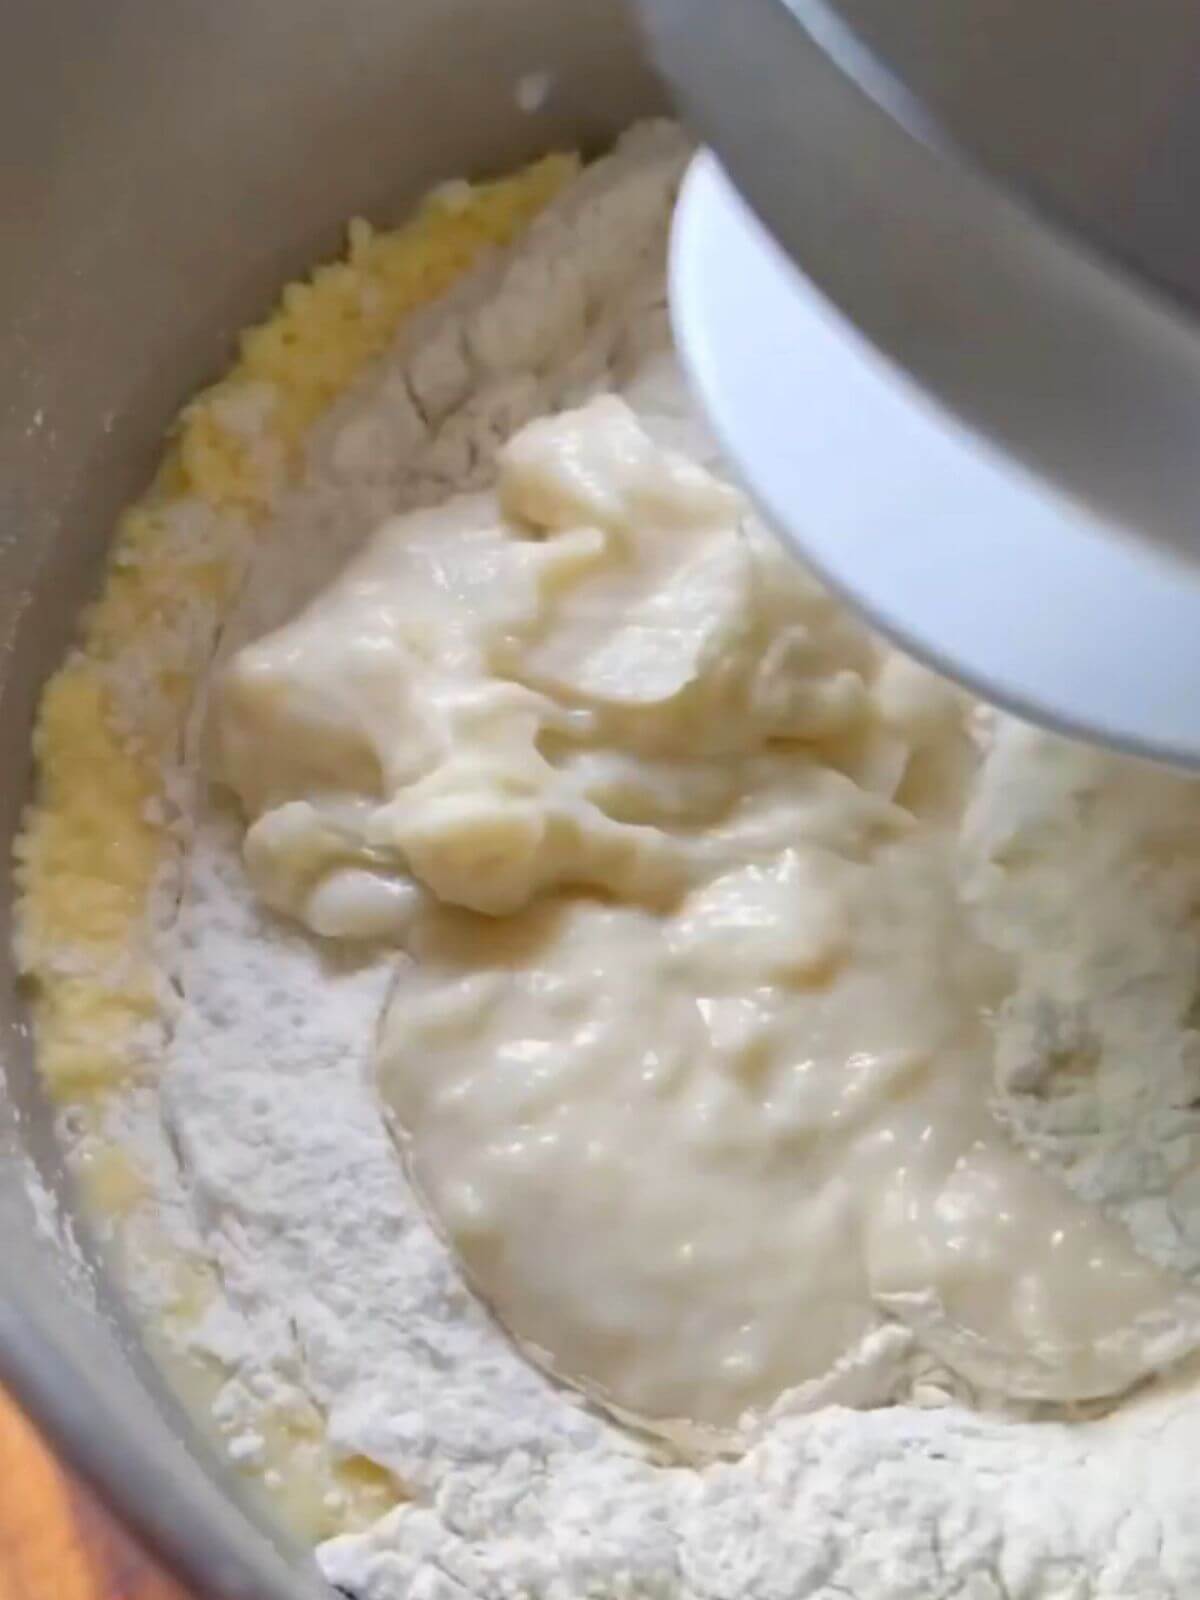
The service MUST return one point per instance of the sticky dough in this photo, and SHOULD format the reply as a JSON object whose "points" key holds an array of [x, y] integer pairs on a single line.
{"points": [[690, 1060]]}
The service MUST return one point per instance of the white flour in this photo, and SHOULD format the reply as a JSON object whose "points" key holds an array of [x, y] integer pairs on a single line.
{"points": [[338, 1297], [1098, 1059]]}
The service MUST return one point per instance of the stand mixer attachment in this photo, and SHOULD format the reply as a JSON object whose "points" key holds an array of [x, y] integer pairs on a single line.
{"points": [[939, 296]]}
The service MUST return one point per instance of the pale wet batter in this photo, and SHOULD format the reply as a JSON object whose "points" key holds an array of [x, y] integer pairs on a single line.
{"points": [[692, 1061]]}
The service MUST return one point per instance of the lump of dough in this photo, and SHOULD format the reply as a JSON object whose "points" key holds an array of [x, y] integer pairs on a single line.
{"points": [[692, 1066], [452, 710], [691, 1159]]}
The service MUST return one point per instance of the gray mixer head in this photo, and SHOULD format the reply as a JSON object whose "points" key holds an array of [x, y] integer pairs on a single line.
{"points": [[946, 325]]}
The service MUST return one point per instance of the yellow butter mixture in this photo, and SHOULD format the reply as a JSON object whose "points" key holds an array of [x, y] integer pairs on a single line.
{"points": [[98, 857]]}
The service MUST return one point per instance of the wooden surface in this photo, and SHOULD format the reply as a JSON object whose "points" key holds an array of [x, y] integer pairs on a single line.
{"points": [[55, 1543]]}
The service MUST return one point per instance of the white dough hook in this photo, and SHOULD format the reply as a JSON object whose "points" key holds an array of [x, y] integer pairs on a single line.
{"points": [[940, 301]]}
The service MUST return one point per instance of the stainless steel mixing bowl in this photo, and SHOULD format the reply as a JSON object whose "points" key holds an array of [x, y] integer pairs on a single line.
{"points": [[165, 165]]}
